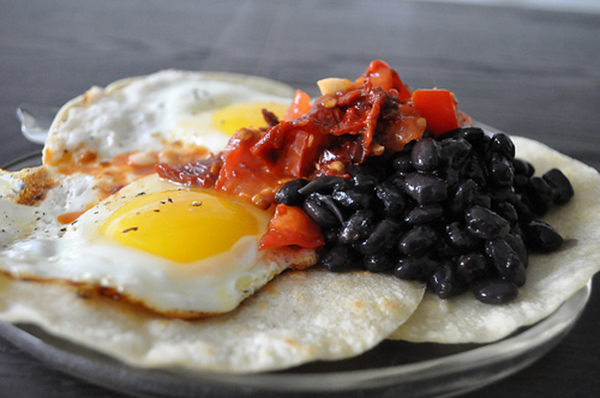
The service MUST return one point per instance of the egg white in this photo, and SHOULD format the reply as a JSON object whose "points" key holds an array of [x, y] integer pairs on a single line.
{"points": [[147, 112], [81, 255]]}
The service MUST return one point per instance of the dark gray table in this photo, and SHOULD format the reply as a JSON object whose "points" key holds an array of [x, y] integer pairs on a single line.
{"points": [[528, 72]]}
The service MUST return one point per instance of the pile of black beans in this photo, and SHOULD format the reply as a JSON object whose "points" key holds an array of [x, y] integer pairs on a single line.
{"points": [[457, 211]]}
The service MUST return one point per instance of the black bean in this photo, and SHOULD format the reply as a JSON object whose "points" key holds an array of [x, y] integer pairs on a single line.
{"points": [[425, 155], [324, 184], [402, 162], [472, 267], [378, 262], [339, 258], [474, 171], [502, 144], [463, 196], [474, 135], [417, 240], [507, 211], [542, 237], [560, 184], [426, 189], [391, 198], [382, 238], [523, 167], [318, 207], [445, 283], [364, 182], [506, 261], [502, 194], [495, 291], [517, 243], [351, 198], [455, 152], [415, 268], [423, 214], [520, 182], [289, 195], [523, 208], [357, 227], [482, 200], [486, 224], [459, 237], [500, 171], [540, 195]]}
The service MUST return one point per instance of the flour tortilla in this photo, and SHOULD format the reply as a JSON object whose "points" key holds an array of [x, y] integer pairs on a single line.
{"points": [[299, 317], [551, 278]]}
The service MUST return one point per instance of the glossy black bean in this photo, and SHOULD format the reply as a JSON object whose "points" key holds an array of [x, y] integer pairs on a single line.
{"points": [[364, 182], [474, 135], [318, 207], [417, 240], [506, 261], [403, 162], [540, 195], [458, 236], [357, 227], [561, 186], [502, 144], [507, 211], [463, 196], [542, 237], [351, 199], [289, 195], [324, 184], [379, 262], [425, 155], [455, 152], [517, 243], [425, 189], [391, 198], [423, 214], [486, 224], [445, 282], [339, 258], [415, 268], [523, 167], [500, 171], [472, 267], [495, 291], [382, 238]]}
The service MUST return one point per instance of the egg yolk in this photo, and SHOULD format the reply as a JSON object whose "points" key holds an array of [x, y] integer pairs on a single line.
{"points": [[180, 225], [231, 118]]}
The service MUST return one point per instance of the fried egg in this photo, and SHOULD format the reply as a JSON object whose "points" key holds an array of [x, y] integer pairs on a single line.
{"points": [[172, 108], [182, 252]]}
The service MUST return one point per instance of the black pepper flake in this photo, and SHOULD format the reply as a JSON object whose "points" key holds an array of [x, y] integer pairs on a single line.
{"points": [[141, 193], [156, 210], [170, 200], [162, 202], [129, 230]]}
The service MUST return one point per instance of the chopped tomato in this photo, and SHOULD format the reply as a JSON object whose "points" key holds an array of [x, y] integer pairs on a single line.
{"points": [[290, 226], [438, 107], [379, 74], [300, 106]]}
